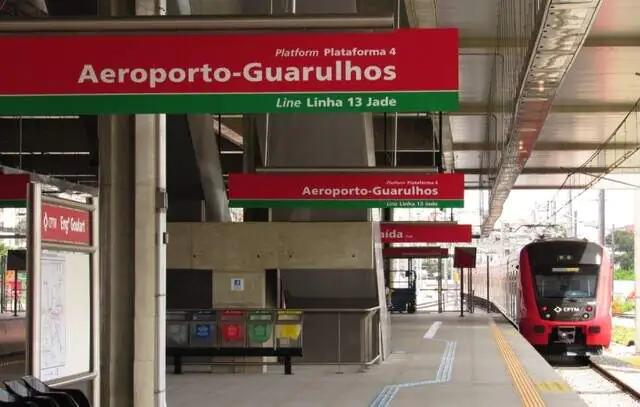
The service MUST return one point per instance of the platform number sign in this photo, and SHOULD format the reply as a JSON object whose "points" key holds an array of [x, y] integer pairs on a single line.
{"points": [[237, 284]]}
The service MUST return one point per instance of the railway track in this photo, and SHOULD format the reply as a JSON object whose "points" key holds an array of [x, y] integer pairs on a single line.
{"points": [[594, 384], [11, 359], [597, 386], [613, 379]]}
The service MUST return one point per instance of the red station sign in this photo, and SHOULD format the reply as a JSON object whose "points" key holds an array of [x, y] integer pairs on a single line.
{"points": [[65, 225], [422, 232]]}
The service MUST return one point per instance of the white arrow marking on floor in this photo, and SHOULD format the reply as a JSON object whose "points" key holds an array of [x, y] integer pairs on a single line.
{"points": [[433, 329]]}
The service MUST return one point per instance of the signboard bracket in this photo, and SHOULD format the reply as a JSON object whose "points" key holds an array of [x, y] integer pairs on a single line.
{"points": [[162, 200]]}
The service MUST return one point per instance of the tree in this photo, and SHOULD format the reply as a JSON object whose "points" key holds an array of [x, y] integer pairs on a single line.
{"points": [[624, 275], [622, 242], [3, 249]]}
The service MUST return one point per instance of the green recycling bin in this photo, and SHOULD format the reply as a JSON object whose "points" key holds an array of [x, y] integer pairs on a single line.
{"points": [[260, 327]]}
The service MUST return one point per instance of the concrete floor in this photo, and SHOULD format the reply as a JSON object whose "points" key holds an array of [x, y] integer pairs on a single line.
{"points": [[460, 363]]}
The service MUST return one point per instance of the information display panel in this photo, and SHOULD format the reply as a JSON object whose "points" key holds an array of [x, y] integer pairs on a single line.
{"points": [[63, 305], [65, 314]]}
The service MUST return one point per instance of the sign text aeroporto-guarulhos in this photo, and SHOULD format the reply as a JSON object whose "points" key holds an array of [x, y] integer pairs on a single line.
{"points": [[375, 191], [255, 72]]}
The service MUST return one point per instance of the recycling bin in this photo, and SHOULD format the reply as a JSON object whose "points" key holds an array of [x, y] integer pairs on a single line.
{"points": [[288, 329], [232, 329], [260, 327], [202, 329], [177, 334]]}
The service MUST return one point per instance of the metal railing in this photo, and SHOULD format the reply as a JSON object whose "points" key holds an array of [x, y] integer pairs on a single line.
{"points": [[341, 337], [330, 336]]}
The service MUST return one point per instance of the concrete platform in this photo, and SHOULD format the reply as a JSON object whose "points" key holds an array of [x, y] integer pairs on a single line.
{"points": [[437, 360], [13, 334]]}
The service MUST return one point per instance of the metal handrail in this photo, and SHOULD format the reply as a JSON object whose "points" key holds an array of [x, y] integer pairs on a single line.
{"points": [[341, 310]]}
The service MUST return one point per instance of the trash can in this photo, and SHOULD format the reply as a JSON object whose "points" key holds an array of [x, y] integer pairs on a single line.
{"points": [[177, 334], [202, 329], [289, 329], [260, 327], [232, 329]]}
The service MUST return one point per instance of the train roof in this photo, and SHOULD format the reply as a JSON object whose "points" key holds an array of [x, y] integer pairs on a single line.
{"points": [[543, 240]]}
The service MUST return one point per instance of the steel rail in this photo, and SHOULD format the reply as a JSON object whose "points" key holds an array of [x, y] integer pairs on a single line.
{"points": [[626, 388]]}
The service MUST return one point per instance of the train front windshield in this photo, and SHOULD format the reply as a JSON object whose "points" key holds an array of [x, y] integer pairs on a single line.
{"points": [[568, 284], [565, 270]]}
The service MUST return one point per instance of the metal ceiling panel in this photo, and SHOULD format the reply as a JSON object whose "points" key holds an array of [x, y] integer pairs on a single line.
{"points": [[475, 74], [475, 18], [557, 158], [468, 129], [540, 180], [580, 127], [617, 18], [467, 159], [603, 74]]}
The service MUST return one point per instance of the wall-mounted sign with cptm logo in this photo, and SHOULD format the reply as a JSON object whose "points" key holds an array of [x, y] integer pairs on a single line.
{"points": [[65, 225]]}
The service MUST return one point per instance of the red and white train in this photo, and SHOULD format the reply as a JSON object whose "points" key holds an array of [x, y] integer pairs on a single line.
{"points": [[558, 291]]}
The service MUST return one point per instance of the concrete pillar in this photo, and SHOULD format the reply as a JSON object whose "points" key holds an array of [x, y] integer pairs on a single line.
{"points": [[149, 314], [132, 261], [205, 146], [116, 264]]}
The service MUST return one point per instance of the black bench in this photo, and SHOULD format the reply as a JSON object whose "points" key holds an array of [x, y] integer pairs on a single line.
{"points": [[34, 393], [285, 353], [72, 397]]}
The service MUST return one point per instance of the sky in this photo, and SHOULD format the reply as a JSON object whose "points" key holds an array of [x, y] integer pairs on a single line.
{"points": [[519, 208]]}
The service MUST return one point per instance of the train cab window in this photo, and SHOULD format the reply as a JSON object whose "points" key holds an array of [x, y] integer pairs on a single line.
{"points": [[565, 269], [579, 284]]}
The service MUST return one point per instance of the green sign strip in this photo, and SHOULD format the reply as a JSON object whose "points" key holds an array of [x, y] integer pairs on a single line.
{"points": [[230, 103], [13, 203], [351, 204]]}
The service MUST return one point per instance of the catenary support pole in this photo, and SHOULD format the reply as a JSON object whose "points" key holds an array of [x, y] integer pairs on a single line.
{"points": [[636, 262], [461, 292], [488, 283], [601, 217]]}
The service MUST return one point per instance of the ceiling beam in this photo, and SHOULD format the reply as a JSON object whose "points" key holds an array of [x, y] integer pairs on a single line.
{"points": [[527, 187], [471, 109], [608, 41], [549, 146], [557, 170], [227, 133], [58, 164]]}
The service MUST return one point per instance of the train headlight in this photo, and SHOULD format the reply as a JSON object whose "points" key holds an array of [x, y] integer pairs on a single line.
{"points": [[589, 308], [545, 308], [585, 316]]}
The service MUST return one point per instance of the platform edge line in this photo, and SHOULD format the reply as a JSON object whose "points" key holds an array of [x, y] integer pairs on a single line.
{"points": [[521, 381]]}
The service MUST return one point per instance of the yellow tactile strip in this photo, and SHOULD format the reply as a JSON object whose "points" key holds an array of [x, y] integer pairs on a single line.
{"points": [[557, 386], [521, 380]]}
